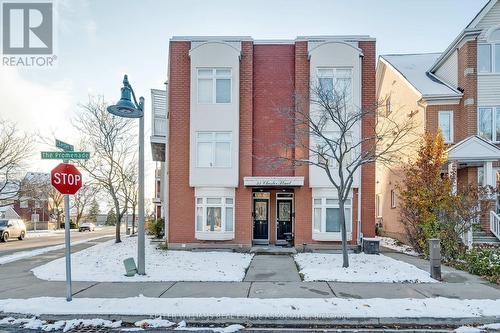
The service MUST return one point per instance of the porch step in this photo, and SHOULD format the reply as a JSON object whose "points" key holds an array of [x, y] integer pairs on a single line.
{"points": [[483, 237], [270, 249]]}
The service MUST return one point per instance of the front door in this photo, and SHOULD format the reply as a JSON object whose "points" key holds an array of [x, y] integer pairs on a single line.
{"points": [[260, 221], [284, 219]]}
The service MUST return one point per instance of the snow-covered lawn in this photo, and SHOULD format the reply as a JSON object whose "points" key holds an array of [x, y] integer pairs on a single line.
{"points": [[31, 253], [104, 262], [362, 268], [393, 244], [319, 308], [43, 233]]}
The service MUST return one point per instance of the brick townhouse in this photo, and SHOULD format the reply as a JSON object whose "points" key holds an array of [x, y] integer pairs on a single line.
{"points": [[223, 124], [457, 91]]}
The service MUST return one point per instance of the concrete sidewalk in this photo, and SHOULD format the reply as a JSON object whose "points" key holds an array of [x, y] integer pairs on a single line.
{"points": [[267, 277]]}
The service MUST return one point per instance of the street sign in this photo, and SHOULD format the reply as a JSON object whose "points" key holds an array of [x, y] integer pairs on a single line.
{"points": [[66, 178], [65, 155], [64, 146]]}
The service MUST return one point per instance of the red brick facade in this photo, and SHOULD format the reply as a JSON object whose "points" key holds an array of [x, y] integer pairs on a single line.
{"points": [[271, 77]]}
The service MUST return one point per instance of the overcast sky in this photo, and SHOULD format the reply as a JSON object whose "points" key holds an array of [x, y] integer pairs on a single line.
{"points": [[98, 41]]}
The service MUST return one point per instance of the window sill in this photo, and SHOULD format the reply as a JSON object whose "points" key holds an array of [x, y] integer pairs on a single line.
{"points": [[330, 236], [214, 235]]}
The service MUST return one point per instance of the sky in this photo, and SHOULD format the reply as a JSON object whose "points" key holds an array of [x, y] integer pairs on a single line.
{"points": [[97, 41]]}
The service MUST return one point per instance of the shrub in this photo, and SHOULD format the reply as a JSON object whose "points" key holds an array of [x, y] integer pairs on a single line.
{"points": [[154, 227], [480, 260]]}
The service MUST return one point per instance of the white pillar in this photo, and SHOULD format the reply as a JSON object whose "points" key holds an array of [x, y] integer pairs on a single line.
{"points": [[452, 174]]}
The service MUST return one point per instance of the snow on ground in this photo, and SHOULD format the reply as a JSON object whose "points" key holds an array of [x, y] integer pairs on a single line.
{"points": [[104, 262], [31, 253], [43, 233], [362, 268], [393, 244], [325, 308], [64, 325]]}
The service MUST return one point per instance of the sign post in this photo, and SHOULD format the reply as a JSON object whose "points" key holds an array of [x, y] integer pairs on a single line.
{"points": [[67, 180]]}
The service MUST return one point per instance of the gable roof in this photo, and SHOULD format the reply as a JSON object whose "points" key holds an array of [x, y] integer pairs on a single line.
{"points": [[468, 31], [474, 148], [414, 67]]}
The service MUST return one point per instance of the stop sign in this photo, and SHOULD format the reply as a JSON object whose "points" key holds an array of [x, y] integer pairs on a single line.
{"points": [[66, 178]]}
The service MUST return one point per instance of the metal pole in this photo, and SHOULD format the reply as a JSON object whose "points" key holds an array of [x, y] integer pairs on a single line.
{"points": [[68, 247], [141, 265]]}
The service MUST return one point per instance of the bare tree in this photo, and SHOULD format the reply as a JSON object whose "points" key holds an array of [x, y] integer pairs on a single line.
{"points": [[130, 183], [109, 139], [56, 205], [15, 149], [332, 134], [82, 199]]}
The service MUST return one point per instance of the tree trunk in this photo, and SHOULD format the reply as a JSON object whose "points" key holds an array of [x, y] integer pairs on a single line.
{"points": [[133, 220], [345, 257], [118, 222]]}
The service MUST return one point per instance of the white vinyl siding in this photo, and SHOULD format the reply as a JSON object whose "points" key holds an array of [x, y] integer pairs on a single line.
{"points": [[448, 71], [488, 89]]}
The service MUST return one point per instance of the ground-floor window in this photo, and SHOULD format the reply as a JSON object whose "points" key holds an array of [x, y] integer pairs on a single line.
{"points": [[326, 215], [214, 214]]}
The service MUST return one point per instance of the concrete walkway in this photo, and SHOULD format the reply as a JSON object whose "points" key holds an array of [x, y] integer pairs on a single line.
{"points": [[267, 277]]}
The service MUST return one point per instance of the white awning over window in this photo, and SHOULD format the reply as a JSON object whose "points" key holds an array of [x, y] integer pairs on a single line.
{"points": [[273, 181]]}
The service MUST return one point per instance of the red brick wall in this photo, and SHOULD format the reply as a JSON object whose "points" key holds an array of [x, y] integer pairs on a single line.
{"points": [[368, 100], [243, 200], [467, 119], [303, 195], [181, 198], [273, 84]]}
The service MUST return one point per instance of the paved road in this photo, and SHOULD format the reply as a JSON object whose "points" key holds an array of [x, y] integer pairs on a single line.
{"points": [[14, 245]]}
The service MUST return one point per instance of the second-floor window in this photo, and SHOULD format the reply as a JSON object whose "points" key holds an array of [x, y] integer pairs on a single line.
{"points": [[214, 85], [489, 123], [213, 149], [335, 82], [488, 54], [445, 120]]}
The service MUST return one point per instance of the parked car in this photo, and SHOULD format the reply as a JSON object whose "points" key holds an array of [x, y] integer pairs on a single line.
{"points": [[86, 226], [12, 229]]}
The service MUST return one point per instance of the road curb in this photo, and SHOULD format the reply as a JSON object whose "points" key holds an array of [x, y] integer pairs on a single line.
{"points": [[302, 322]]}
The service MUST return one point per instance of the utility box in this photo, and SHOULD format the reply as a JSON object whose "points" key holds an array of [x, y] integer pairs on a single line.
{"points": [[371, 245], [435, 258], [130, 267]]}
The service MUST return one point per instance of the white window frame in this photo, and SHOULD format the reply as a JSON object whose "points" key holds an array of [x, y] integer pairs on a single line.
{"points": [[494, 67], [494, 110], [393, 198], [223, 234], [378, 208], [214, 142], [334, 76], [322, 234], [450, 115], [24, 204], [214, 76]]}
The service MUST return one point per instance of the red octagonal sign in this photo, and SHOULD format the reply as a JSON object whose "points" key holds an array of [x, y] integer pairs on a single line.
{"points": [[66, 178]]}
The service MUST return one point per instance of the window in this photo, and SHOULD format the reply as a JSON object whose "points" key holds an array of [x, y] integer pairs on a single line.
{"points": [[324, 152], [214, 85], [213, 149], [393, 199], [214, 214], [377, 206], [335, 82], [445, 120], [489, 123], [388, 109], [326, 214], [23, 204], [484, 58]]}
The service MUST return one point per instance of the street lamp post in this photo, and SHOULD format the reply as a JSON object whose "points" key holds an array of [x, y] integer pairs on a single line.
{"points": [[128, 109]]}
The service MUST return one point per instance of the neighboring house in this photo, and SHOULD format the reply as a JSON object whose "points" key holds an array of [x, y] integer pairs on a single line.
{"points": [[159, 129], [32, 205], [8, 212], [457, 91], [223, 123]]}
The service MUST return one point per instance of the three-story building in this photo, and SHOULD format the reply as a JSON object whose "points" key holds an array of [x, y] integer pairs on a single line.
{"points": [[224, 127]]}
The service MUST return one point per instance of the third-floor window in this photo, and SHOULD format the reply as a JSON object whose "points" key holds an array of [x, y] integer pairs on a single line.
{"points": [[335, 82], [214, 85], [488, 54]]}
